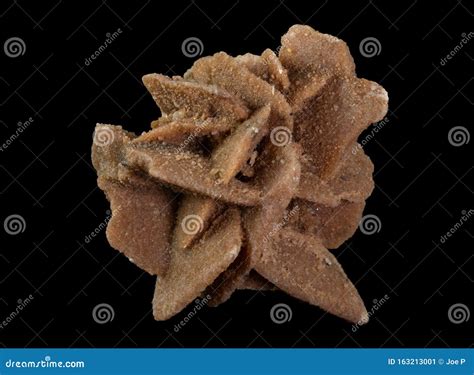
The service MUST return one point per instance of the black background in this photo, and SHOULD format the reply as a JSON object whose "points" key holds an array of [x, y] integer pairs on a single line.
{"points": [[46, 175]]}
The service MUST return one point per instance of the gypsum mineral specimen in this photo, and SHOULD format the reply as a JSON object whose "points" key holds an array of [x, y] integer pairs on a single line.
{"points": [[248, 177]]}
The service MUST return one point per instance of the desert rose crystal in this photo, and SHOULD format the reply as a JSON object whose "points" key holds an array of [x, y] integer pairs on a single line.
{"points": [[248, 177]]}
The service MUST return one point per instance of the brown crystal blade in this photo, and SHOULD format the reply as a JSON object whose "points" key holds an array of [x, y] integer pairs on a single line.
{"points": [[279, 172], [277, 74], [267, 67], [312, 59], [194, 100], [141, 223], [254, 281], [333, 225], [301, 266], [188, 171], [254, 64], [353, 181], [229, 280], [192, 271], [108, 148], [334, 120], [221, 290], [178, 132], [231, 155], [337, 105], [226, 72]]}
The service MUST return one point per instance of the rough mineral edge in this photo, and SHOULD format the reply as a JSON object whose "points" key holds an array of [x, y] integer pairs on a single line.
{"points": [[190, 172], [333, 225], [194, 216], [314, 276], [192, 271], [195, 100], [353, 182], [280, 173], [230, 156], [331, 117], [145, 209], [226, 72]]}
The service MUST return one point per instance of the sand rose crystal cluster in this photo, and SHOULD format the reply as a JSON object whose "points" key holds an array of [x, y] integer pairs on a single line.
{"points": [[247, 180]]}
